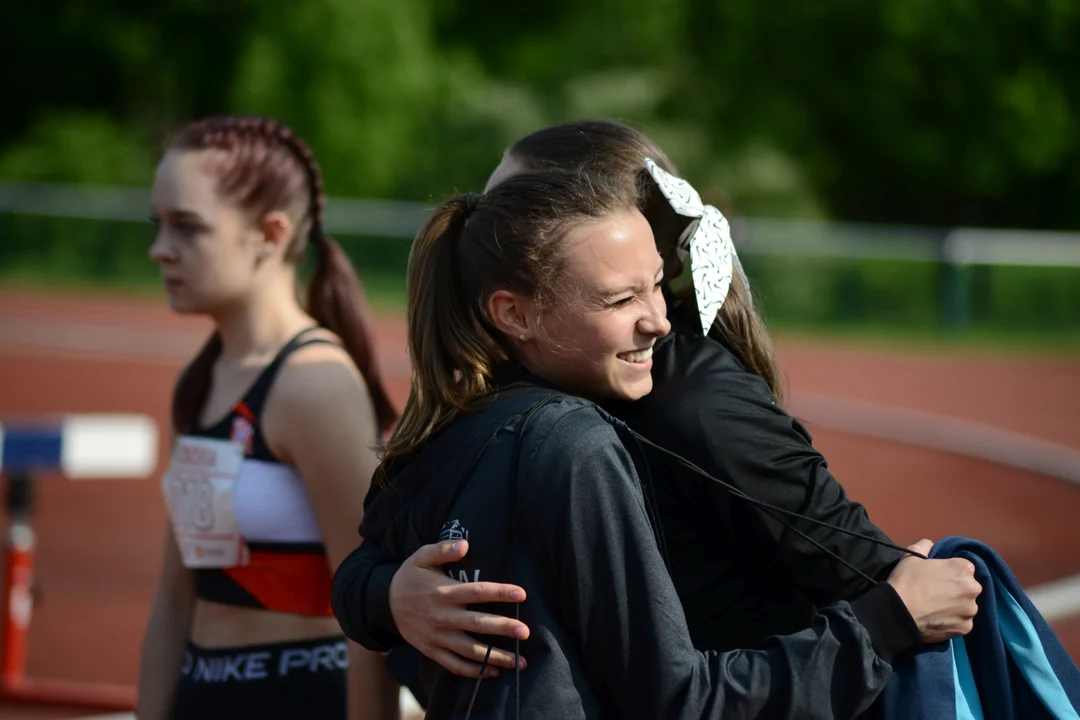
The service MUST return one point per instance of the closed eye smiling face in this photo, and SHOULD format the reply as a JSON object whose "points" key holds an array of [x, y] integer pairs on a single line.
{"points": [[596, 338]]}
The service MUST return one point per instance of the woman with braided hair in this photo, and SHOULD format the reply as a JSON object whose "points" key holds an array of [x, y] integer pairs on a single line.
{"points": [[275, 423]]}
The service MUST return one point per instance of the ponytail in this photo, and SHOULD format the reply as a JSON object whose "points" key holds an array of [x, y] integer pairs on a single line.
{"points": [[337, 301], [740, 328], [452, 360]]}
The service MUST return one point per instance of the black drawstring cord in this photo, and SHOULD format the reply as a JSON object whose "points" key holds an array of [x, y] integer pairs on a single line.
{"points": [[513, 541], [476, 685], [517, 665], [652, 507], [770, 509]]}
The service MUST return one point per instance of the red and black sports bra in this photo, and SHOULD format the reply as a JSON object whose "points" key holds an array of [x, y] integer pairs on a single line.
{"points": [[287, 569]]}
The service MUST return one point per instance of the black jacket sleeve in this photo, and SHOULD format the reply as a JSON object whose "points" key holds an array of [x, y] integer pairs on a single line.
{"points": [[360, 598], [360, 592], [725, 421], [582, 509]]}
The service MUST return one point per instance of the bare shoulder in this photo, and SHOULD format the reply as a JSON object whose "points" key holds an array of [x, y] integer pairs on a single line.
{"points": [[318, 394], [318, 373], [319, 418]]}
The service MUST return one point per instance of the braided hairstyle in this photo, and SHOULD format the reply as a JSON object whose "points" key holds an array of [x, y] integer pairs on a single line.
{"points": [[264, 166]]}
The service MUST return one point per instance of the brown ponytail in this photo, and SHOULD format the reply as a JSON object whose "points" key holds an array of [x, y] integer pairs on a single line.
{"points": [[452, 363], [337, 301], [266, 167], [740, 329]]}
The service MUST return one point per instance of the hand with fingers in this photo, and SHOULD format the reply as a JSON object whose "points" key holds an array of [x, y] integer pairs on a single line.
{"points": [[431, 612], [940, 594]]}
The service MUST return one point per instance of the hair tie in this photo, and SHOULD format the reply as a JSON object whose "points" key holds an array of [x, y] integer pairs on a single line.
{"points": [[469, 203]]}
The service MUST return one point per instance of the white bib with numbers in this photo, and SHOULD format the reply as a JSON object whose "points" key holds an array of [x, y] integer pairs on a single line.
{"points": [[198, 488]]}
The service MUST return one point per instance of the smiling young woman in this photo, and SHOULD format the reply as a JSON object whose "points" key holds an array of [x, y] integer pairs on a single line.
{"points": [[742, 576], [544, 289]]}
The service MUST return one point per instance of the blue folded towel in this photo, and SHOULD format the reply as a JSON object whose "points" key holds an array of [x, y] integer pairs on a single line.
{"points": [[1011, 665]]}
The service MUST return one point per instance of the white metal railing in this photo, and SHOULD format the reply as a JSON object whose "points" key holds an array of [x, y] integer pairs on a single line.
{"points": [[754, 236]]}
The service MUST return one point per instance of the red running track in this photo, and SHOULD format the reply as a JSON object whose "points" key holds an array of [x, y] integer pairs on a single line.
{"points": [[100, 541]]}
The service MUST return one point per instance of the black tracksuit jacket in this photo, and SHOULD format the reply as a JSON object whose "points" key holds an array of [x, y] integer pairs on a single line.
{"points": [[557, 495]]}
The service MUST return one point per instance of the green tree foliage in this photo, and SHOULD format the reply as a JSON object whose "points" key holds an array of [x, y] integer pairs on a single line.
{"points": [[918, 111], [929, 111]]}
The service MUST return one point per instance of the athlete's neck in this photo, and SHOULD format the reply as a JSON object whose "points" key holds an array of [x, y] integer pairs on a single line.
{"points": [[260, 323]]}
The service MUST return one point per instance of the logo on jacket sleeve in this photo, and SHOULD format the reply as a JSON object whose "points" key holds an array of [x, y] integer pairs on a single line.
{"points": [[453, 530]]}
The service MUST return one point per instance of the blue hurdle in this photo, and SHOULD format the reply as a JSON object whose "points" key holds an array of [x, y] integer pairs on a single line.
{"points": [[78, 446]]}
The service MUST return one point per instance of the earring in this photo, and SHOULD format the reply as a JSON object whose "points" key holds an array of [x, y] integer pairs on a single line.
{"points": [[522, 336], [264, 253]]}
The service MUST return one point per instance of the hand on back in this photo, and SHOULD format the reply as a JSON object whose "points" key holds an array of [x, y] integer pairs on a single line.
{"points": [[431, 612]]}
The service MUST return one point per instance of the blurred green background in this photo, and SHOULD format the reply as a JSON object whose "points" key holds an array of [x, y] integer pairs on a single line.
{"points": [[893, 116]]}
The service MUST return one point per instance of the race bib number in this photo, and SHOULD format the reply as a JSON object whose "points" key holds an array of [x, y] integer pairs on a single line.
{"points": [[198, 489]]}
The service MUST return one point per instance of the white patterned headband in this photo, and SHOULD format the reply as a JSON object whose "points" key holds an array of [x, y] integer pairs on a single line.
{"points": [[707, 242]]}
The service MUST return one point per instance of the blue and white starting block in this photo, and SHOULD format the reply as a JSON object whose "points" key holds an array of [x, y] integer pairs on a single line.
{"points": [[81, 446]]}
